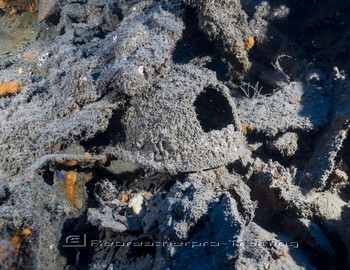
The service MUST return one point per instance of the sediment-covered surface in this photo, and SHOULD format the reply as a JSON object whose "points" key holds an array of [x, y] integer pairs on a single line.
{"points": [[174, 134]]}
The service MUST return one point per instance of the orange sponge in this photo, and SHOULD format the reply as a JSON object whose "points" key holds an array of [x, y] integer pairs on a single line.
{"points": [[9, 88], [70, 179]]}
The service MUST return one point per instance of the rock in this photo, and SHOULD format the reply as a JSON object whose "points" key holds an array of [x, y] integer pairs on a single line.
{"points": [[286, 145], [140, 98], [296, 106], [45, 8], [340, 176], [330, 142], [259, 249], [96, 218], [310, 233], [172, 137]]}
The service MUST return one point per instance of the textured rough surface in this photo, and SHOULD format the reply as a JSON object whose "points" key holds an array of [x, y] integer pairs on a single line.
{"points": [[286, 145], [219, 28], [172, 137], [294, 107], [324, 158], [45, 8], [200, 134], [276, 251]]}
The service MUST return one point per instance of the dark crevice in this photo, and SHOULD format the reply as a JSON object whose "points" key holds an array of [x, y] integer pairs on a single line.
{"points": [[123, 179], [240, 206], [195, 45], [271, 209], [274, 215], [136, 252], [48, 176], [75, 254], [4, 195], [53, 19], [213, 110], [237, 167], [193, 42], [306, 146], [114, 134], [319, 27], [220, 67], [341, 259]]}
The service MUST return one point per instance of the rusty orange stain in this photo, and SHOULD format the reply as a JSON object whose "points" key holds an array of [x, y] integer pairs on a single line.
{"points": [[296, 101], [16, 243], [9, 88], [59, 160], [26, 232], [70, 180], [246, 128], [12, 11], [2, 4], [249, 43], [71, 163], [29, 55], [87, 156]]}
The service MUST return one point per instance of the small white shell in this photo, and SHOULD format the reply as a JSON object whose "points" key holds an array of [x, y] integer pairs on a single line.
{"points": [[141, 70]]}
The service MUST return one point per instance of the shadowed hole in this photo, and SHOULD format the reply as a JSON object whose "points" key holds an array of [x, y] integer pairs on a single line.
{"points": [[114, 134], [213, 110], [48, 176]]}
